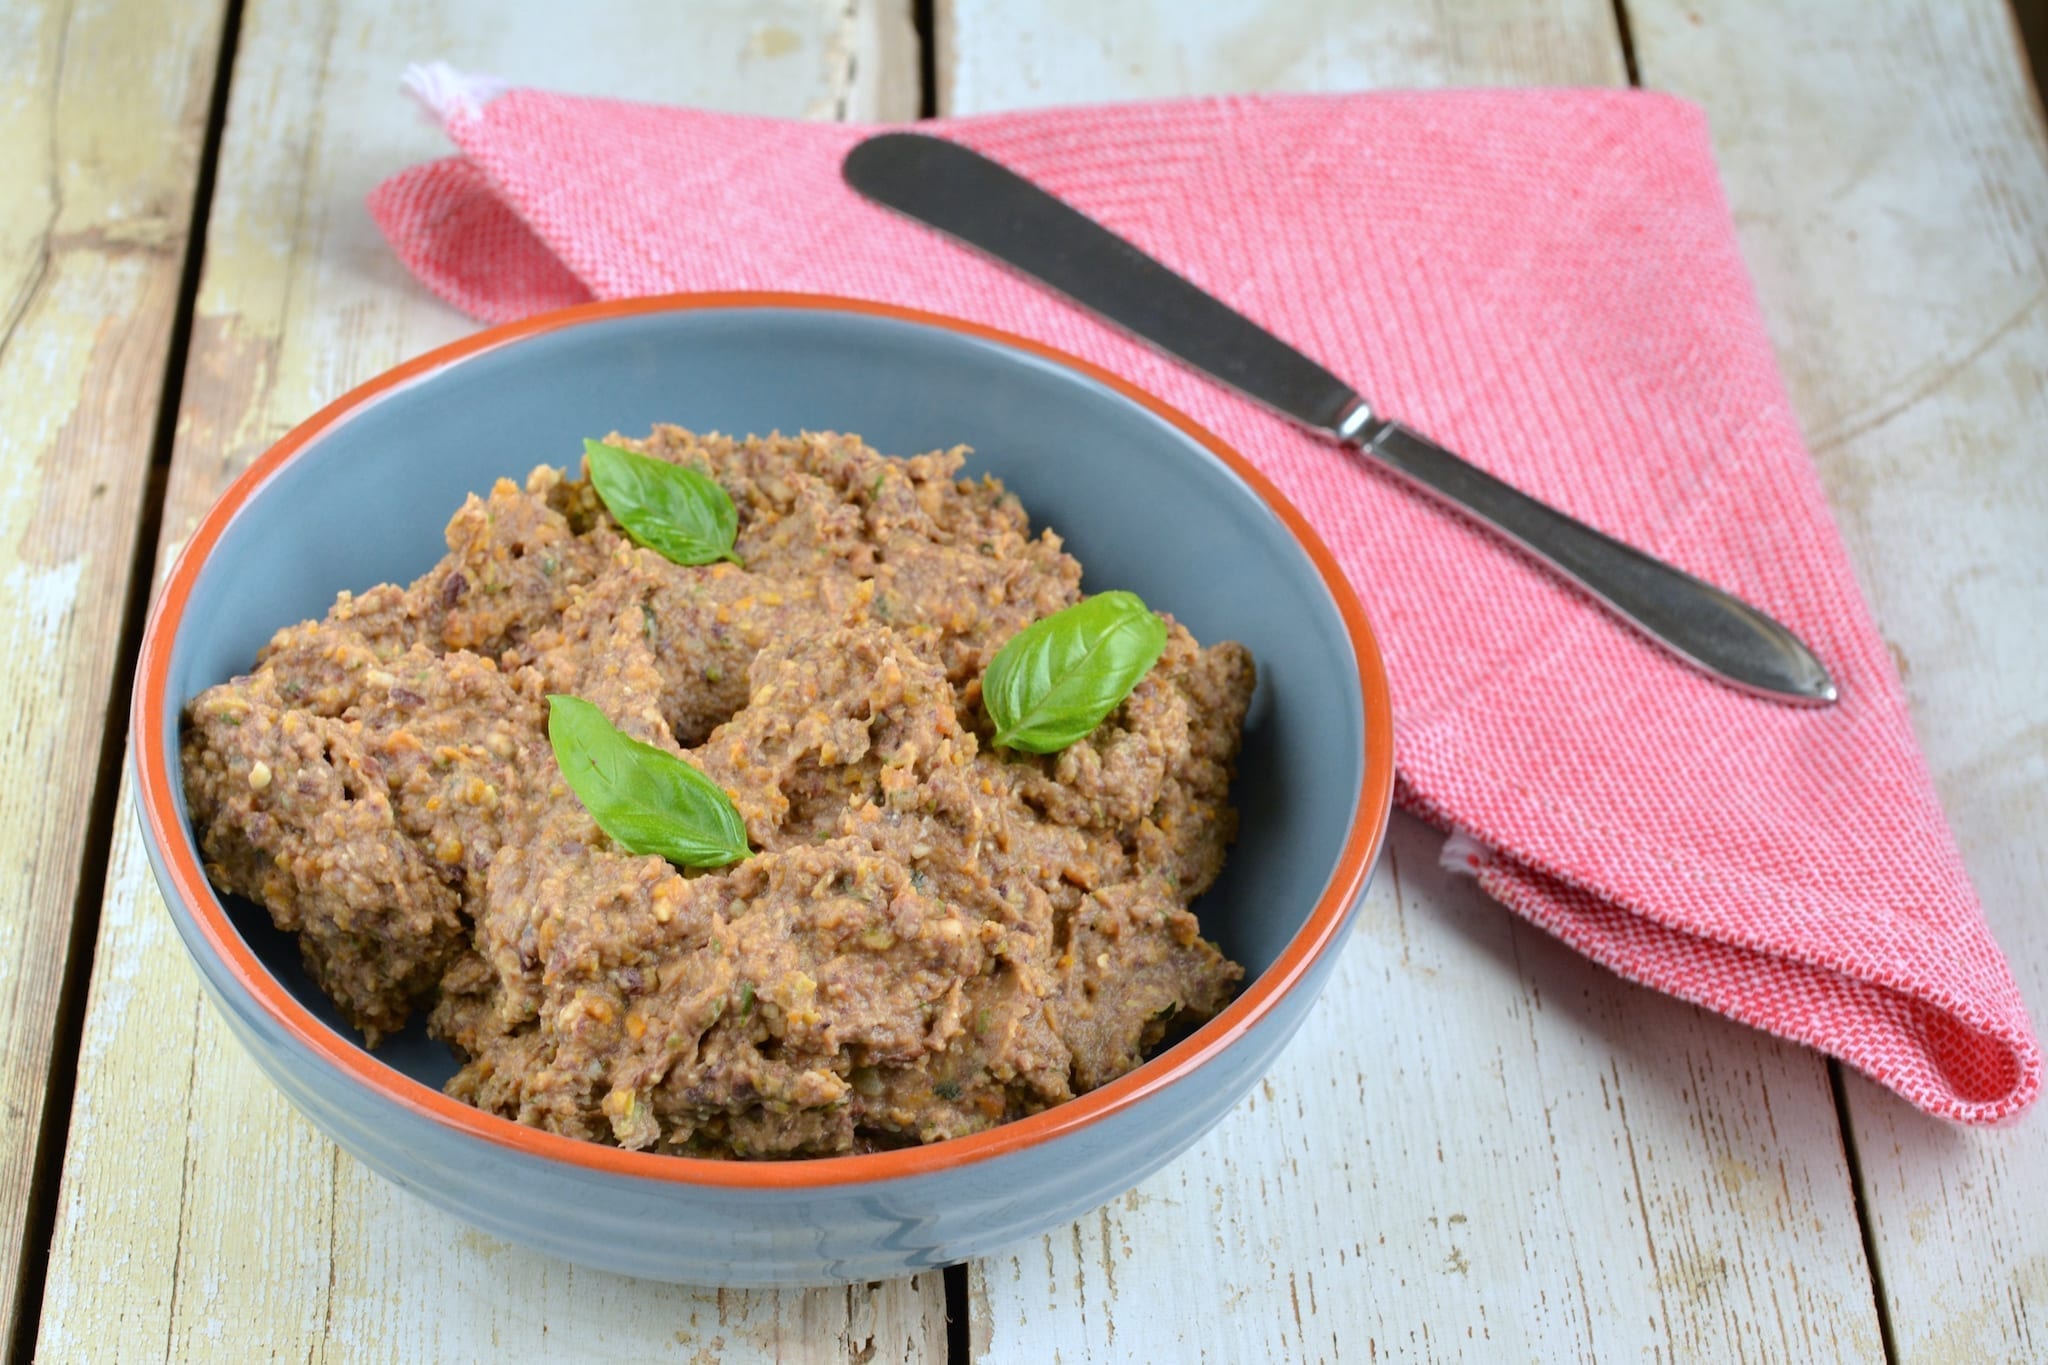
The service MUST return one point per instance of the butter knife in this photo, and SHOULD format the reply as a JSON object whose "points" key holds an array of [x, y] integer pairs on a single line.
{"points": [[983, 204]]}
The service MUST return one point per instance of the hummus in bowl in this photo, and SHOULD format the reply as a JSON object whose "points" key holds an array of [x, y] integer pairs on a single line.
{"points": [[1145, 499], [933, 933]]}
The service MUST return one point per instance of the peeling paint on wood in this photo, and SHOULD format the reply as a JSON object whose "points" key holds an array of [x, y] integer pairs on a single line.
{"points": [[102, 113], [1480, 1147], [200, 1217], [1889, 174]]}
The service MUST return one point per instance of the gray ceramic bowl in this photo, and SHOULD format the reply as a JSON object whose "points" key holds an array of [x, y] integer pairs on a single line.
{"points": [[1147, 501]]}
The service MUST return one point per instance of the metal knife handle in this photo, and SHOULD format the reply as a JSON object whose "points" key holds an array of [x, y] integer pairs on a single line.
{"points": [[987, 206], [1708, 628]]}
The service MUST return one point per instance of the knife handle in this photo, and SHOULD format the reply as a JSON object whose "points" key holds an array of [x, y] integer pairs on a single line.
{"points": [[1703, 625]]}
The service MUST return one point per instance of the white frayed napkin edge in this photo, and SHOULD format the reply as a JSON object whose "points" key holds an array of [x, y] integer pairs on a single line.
{"points": [[446, 94], [1463, 854]]}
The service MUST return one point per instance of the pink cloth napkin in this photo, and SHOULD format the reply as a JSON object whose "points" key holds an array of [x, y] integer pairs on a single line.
{"points": [[1547, 281]]}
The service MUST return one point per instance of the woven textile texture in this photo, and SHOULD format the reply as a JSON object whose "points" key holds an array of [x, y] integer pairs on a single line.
{"points": [[1546, 280]]}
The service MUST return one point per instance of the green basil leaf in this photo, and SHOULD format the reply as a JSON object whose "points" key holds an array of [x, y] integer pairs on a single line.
{"points": [[1058, 677], [647, 800], [681, 515]]}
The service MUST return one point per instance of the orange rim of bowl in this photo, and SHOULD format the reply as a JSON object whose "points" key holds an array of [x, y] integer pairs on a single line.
{"points": [[1316, 936]]}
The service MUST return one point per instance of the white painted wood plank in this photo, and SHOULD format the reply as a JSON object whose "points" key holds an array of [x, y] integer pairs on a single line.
{"points": [[1480, 1148], [1022, 54], [1889, 173], [200, 1217], [102, 113], [1483, 1147]]}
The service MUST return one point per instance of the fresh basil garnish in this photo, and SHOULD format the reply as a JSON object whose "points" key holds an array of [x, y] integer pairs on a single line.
{"points": [[647, 800], [681, 515], [1057, 678]]}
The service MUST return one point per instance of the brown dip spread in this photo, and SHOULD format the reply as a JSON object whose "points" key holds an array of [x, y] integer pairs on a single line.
{"points": [[933, 936]]}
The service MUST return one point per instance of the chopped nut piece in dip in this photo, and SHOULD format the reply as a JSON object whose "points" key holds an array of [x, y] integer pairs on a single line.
{"points": [[933, 936]]}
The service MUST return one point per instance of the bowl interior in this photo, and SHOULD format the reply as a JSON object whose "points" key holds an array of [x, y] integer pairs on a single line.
{"points": [[1142, 505]]}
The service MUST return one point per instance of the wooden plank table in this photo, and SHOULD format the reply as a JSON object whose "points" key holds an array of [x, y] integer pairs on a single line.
{"points": [[1481, 1147]]}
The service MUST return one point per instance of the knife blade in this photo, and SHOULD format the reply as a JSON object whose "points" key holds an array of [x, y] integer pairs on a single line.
{"points": [[985, 205]]}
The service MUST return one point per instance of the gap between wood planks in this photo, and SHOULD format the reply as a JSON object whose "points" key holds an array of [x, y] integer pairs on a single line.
{"points": [[1628, 43], [104, 810], [2030, 17], [1863, 1225]]}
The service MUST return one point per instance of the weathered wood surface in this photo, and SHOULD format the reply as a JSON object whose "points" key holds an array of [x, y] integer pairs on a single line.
{"points": [[1019, 54], [1889, 174], [1482, 1147], [200, 1218], [102, 114]]}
